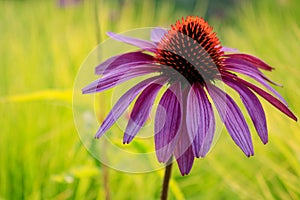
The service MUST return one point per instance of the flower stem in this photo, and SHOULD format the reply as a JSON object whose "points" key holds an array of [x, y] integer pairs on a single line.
{"points": [[105, 182], [167, 176]]}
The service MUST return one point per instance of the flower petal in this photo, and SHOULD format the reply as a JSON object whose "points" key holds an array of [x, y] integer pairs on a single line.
{"points": [[167, 122], [234, 64], [184, 153], [248, 60], [143, 44], [228, 49], [123, 103], [199, 120], [119, 76], [275, 102], [256, 75], [124, 60], [141, 111], [157, 34], [253, 107], [232, 118], [185, 161]]}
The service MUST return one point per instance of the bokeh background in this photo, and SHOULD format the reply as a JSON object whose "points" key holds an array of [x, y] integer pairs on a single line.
{"points": [[43, 44]]}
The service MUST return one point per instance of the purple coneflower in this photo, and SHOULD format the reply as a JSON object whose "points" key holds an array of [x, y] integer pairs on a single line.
{"points": [[189, 59]]}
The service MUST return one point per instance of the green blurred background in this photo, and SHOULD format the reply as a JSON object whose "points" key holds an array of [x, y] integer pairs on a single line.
{"points": [[43, 44]]}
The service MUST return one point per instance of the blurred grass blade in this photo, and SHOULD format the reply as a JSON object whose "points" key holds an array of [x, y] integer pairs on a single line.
{"points": [[65, 95]]}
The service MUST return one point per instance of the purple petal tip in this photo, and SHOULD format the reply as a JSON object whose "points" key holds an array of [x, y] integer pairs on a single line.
{"points": [[98, 135], [84, 91], [249, 154], [295, 118], [109, 33], [127, 138]]}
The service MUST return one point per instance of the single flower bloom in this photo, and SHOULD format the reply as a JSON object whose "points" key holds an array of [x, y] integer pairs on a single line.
{"points": [[189, 59]]}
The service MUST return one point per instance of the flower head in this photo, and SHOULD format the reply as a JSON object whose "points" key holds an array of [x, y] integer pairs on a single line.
{"points": [[189, 59]]}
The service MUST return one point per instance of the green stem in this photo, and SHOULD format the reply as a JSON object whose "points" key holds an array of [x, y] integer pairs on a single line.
{"points": [[167, 176]]}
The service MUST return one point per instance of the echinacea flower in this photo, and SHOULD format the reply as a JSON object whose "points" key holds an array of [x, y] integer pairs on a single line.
{"points": [[189, 59]]}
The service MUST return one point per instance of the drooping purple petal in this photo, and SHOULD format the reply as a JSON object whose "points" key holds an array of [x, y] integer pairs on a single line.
{"points": [[119, 76], [185, 161], [256, 75], [232, 118], [143, 44], [248, 60], [157, 33], [183, 151], [253, 107], [125, 60], [275, 102], [123, 103], [141, 111], [167, 122], [200, 120]]}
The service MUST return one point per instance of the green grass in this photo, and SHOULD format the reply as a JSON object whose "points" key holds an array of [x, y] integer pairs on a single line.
{"points": [[43, 46]]}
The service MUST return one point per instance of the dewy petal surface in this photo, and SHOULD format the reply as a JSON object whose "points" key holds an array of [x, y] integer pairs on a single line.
{"points": [[167, 122], [141, 111], [143, 44], [253, 107], [233, 119], [123, 103], [199, 120]]}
